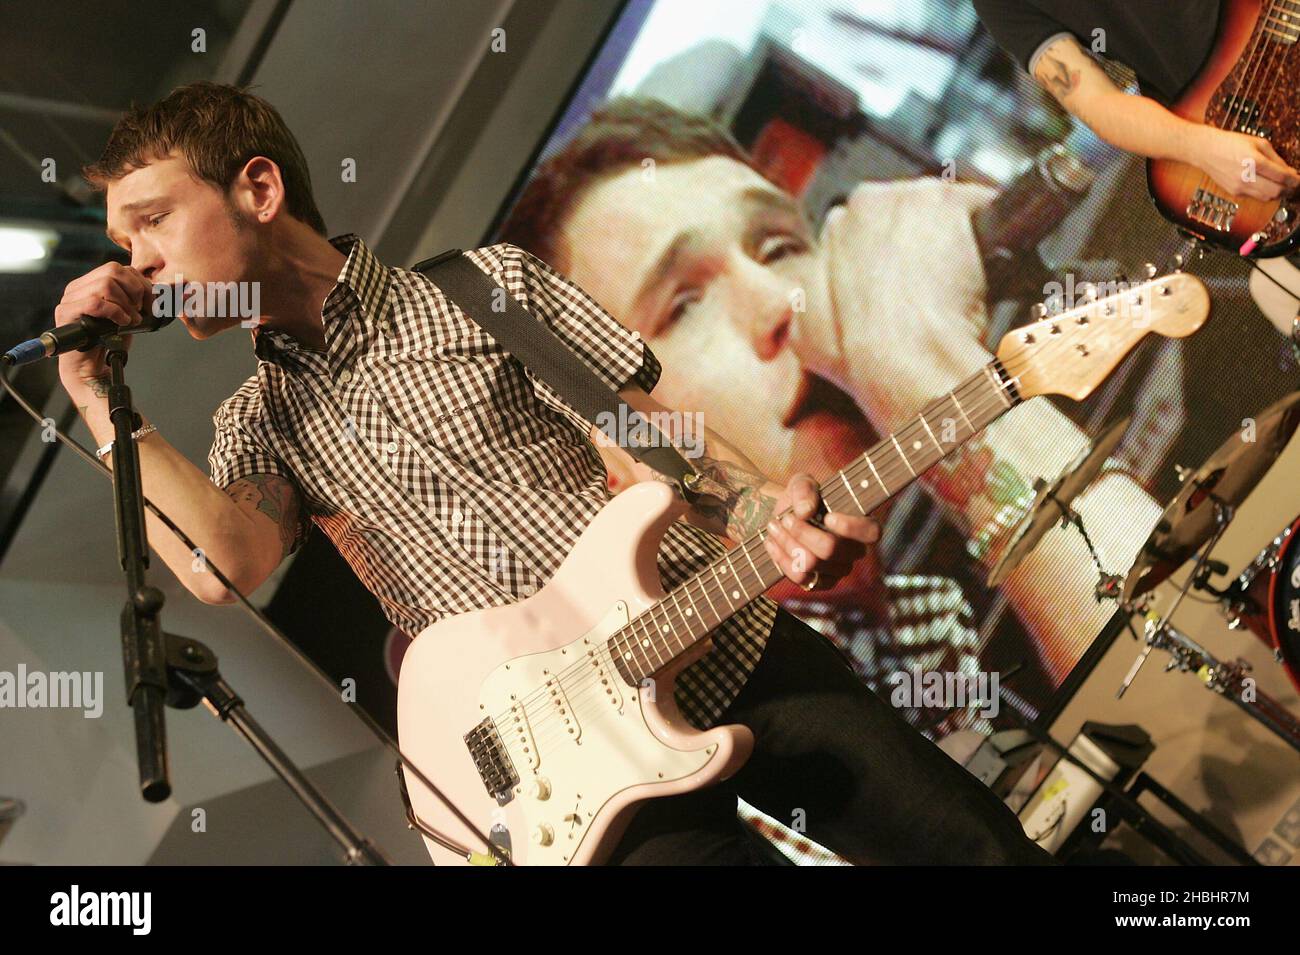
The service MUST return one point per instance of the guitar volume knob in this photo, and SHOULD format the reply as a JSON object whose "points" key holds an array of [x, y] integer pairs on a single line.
{"points": [[540, 788], [543, 835]]}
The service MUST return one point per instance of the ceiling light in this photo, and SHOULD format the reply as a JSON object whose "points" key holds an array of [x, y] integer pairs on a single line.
{"points": [[26, 249]]}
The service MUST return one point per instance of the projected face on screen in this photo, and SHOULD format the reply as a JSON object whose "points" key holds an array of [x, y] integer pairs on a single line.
{"points": [[723, 267], [781, 197]]}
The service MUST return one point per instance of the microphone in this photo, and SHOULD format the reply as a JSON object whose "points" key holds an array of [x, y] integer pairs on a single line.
{"points": [[81, 335]]}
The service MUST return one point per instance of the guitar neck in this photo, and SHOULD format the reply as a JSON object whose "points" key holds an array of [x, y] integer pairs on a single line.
{"points": [[673, 625]]}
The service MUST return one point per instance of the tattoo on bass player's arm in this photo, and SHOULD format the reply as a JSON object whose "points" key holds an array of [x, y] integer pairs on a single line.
{"points": [[1057, 78], [273, 496], [731, 501]]}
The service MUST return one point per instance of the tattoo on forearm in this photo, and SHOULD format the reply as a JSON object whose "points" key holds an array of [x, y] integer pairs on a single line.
{"points": [[273, 496], [99, 388], [731, 501], [1059, 79]]}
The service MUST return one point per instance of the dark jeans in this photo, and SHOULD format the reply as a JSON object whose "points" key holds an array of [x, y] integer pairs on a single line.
{"points": [[871, 787]]}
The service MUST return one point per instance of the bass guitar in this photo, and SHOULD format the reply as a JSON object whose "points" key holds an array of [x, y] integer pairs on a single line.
{"points": [[1247, 85]]}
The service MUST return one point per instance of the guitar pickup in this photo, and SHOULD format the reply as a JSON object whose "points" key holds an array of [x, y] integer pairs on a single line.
{"points": [[493, 763], [1242, 113], [559, 709], [1212, 210]]}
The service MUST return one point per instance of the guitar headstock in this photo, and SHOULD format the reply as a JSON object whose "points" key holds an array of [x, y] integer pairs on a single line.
{"points": [[1072, 352]]}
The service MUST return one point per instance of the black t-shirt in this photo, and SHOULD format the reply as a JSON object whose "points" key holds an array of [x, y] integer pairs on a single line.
{"points": [[1164, 42]]}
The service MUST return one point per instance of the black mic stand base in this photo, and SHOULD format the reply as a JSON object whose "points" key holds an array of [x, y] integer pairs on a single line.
{"points": [[192, 676]]}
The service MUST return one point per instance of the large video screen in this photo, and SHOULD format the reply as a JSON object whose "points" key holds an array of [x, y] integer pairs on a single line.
{"points": [[822, 215]]}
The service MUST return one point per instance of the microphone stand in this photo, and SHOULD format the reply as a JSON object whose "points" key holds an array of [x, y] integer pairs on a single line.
{"points": [[164, 669]]}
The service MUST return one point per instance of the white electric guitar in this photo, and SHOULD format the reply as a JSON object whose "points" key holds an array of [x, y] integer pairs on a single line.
{"points": [[548, 721]]}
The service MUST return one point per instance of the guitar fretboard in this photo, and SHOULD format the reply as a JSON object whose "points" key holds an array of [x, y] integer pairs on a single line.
{"points": [[1280, 21], [681, 619]]}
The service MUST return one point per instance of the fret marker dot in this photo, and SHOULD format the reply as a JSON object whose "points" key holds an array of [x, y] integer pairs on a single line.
{"points": [[916, 445], [664, 628], [645, 643], [736, 594], [863, 483], [628, 655], [688, 611]]}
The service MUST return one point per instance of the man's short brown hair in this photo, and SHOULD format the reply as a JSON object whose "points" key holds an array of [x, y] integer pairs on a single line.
{"points": [[620, 135], [217, 129]]}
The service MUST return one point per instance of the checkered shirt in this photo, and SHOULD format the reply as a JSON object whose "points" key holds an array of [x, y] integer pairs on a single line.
{"points": [[447, 475]]}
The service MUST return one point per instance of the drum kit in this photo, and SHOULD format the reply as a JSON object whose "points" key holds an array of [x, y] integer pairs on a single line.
{"points": [[1263, 599]]}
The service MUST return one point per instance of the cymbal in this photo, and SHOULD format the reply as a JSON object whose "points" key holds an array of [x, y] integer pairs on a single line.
{"points": [[1053, 501], [1228, 476]]}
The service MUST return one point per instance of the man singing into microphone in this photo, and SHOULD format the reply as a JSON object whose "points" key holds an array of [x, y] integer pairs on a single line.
{"points": [[451, 478]]}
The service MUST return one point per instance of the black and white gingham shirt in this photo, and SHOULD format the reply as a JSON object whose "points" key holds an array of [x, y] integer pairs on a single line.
{"points": [[445, 473]]}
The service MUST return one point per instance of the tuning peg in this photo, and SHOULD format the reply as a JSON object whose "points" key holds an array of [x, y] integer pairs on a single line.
{"points": [[1179, 261], [1150, 270], [1039, 311], [1087, 290]]}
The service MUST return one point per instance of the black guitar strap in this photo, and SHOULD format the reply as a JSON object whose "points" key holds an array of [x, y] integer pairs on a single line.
{"points": [[534, 344]]}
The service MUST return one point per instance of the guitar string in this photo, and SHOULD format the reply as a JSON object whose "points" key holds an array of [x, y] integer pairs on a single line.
{"points": [[1268, 22], [1251, 71], [1284, 51], [1232, 116], [547, 729], [578, 697], [1279, 52], [1195, 179], [898, 473], [1189, 180], [749, 577], [1258, 54]]}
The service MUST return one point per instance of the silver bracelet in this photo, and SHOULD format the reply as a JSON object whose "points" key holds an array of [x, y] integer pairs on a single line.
{"points": [[137, 435]]}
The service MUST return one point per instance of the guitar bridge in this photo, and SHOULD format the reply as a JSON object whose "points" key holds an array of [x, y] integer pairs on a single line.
{"points": [[1212, 210], [492, 761]]}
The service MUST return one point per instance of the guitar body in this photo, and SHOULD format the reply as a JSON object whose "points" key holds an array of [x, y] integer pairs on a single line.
{"points": [[1248, 84], [587, 749]]}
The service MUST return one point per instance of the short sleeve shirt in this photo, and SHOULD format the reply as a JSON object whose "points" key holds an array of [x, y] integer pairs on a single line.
{"points": [[443, 471], [1164, 43]]}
